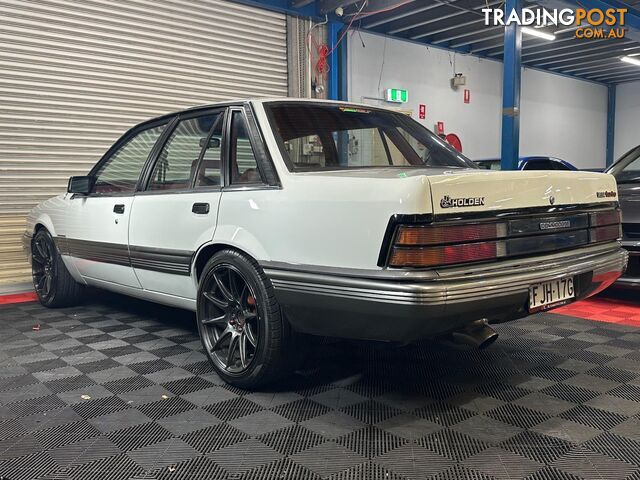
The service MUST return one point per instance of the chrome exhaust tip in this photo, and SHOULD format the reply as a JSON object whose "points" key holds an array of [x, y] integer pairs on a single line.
{"points": [[477, 334]]}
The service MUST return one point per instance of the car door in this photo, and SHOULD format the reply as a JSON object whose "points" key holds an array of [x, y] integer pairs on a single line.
{"points": [[96, 236], [175, 211]]}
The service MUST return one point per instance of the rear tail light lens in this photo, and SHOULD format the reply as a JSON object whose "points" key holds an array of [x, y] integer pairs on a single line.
{"points": [[609, 217], [602, 234], [444, 255]]}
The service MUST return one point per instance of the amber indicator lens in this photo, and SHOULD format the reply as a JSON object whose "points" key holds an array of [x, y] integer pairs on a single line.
{"points": [[429, 235]]}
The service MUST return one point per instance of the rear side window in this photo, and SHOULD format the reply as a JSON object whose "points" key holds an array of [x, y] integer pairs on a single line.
{"points": [[178, 161], [120, 173], [244, 166]]}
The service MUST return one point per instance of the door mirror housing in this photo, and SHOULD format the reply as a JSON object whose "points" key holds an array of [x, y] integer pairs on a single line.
{"points": [[81, 185]]}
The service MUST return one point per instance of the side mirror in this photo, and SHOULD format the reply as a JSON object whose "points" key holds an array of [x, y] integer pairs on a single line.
{"points": [[80, 185], [213, 142]]}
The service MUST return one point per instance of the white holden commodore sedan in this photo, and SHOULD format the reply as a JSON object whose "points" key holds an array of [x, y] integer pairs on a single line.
{"points": [[269, 217]]}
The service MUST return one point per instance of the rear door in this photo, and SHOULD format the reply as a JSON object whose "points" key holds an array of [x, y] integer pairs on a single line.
{"points": [[175, 211]]}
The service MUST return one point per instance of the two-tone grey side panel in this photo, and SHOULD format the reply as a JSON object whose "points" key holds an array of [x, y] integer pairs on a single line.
{"points": [[103, 252], [177, 262]]}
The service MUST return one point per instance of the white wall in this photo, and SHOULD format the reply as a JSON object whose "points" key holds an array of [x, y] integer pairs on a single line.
{"points": [[560, 116], [627, 133]]}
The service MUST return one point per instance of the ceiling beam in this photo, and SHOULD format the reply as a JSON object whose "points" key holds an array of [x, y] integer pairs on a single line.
{"points": [[576, 46], [461, 9], [589, 60], [445, 29], [482, 37], [607, 66], [399, 16], [618, 76], [484, 29], [602, 55], [588, 51]]}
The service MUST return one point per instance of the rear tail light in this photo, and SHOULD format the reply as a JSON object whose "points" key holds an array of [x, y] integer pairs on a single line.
{"points": [[444, 255], [602, 234], [431, 245], [608, 217]]}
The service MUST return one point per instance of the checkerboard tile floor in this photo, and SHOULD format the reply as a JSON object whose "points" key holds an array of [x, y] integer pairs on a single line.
{"points": [[120, 389]]}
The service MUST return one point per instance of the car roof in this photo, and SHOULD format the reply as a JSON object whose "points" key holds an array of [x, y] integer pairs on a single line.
{"points": [[263, 100]]}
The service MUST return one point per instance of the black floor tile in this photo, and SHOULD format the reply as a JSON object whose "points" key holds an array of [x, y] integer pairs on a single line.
{"points": [[103, 391]]}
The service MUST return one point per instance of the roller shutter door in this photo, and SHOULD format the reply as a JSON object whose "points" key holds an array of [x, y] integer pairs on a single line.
{"points": [[74, 75]]}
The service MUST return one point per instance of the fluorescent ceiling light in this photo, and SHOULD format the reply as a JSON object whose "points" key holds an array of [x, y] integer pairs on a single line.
{"points": [[538, 33], [631, 60]]}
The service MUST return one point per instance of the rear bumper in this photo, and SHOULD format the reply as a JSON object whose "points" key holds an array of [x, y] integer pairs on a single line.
{"points": [[401, 305], [631, 278]]}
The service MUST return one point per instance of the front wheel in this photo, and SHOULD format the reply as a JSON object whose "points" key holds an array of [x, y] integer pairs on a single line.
{"points": [[242, 329], [52, 281]]}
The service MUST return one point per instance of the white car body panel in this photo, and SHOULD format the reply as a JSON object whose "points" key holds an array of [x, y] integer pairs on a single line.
{"points": [[166, 221], [305, 221], [94, 219]]}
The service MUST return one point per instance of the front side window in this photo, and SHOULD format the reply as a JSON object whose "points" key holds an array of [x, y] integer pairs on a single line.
{"points": [[317, 136], [178, 161], [120, 173]]}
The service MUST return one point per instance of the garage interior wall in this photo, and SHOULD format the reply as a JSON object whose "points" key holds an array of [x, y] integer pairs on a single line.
{"points": [[77, 74], [627, 118], [560, 116]]}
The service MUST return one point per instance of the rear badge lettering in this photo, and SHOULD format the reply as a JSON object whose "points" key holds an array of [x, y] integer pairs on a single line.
{"points": [[448, 202], [554, 225], [607, 194]]}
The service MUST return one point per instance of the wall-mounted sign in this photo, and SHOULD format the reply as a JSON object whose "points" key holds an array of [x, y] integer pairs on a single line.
{"points": [[440, 127], [396, 95], [467, 96], [422, 111]]}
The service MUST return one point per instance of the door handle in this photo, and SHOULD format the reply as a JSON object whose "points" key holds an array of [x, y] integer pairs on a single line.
{"points": [[119, 208], [200, 208]]}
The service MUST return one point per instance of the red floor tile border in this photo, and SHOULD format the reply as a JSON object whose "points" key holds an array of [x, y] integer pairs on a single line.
{"points": [[18, 298], [604, 310]]}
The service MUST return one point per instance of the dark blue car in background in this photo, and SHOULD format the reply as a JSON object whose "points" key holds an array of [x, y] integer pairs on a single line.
{"points": [[529, 163]]}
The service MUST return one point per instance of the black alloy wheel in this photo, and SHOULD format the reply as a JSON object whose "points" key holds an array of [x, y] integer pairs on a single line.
{"points": [[231, 330], [44, 266], [53, 283], [242, 329]]}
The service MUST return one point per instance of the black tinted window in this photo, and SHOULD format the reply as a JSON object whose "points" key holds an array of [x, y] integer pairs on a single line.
{"points": [[540, 165], [317, 136], [244, 167], [178, 160]]}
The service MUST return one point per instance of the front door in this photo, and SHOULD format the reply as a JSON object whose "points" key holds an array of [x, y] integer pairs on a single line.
{"points": [[97, 229], [176, 211]]}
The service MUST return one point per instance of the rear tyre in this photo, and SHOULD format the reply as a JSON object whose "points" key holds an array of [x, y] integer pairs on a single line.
{"points": [[52, 281], [241, 326]]}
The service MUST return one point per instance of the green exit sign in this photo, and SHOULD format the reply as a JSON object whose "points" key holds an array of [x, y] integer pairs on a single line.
{"points": [[396, 95]]}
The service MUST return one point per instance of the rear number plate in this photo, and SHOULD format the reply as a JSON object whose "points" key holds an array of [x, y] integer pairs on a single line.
{"points": [[543, 296]]}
